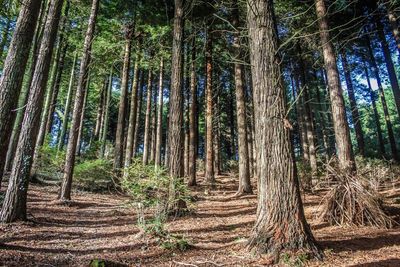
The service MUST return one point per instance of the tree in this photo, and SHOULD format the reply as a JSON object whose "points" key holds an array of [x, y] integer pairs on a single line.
{"points": [[14, 65], [193, 136], [119, 136], [341, 127], [65, 190], [14, 205], [280, 222], [146, 140], [159, 114]]}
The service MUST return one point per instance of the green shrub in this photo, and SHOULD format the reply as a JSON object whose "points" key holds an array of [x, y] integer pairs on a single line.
{"points": [[94, 175], [50, 161]]}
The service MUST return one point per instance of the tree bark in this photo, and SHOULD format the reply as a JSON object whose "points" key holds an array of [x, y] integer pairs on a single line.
{"points": [[119, 136], [388, 121], [14, 66], [132, 112], [341, 127], [67, 107], [353, 105], [209, 175], [106, 115], [175, 134], [153, 128], [100, 111], [146, 140], [65, 190], [280, 222], [138, 114], [82, 118], [193, 137], [14, 206], [393, 23], [159, 114]]}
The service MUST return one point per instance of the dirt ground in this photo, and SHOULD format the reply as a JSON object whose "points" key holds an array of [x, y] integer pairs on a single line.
{"points": [[103, 226]]}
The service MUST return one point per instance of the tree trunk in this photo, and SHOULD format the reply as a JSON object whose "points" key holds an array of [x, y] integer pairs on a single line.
{"points": [[14, 206], [159, 115], [388, 59], [341, 127], [119, 136], [67, 107], [100, 111], [193, 137], [65, 190], [106, 115], [393, 23], [175, 134], [146, 140], [82, 118], [388, 121], [129, 153], [381, 143], [209, 175], [153, 129], [243, 149], [280, 222], [353, 105], [14, 66], [138, 114]]}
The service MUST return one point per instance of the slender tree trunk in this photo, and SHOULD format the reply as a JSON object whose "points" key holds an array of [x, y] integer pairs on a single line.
{"points": [[388, 121], [305, 148], [341, 127], [138, 114], [175, 139], [353, 105], [381, 143], [65, 190], [388, 60], [14, 66], [132, 112], [100, 111], [243, 149], [159, 132], [217, 133], [209, 175], [146, 140], [280, 222], [119, 136], [14, 205], [106, 115], [67, 107], [193, 137], [82, 118], [153, 128]]}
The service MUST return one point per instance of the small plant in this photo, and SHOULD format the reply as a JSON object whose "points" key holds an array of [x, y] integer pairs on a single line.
{"points": [[94, 175], [298, 260]]}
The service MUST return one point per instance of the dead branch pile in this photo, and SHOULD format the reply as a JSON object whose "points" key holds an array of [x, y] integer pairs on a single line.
{"points": [[352, 201]]}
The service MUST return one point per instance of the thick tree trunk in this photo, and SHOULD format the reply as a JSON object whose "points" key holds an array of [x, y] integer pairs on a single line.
{"points": [[388, 121], [175, 134], [209, 175], [132, 113], [388, 59], [193, 137], [373, 97], [14, 205], [103, 138], [67, 107], [353, 105], [146, 140], [14, 66], [65, 190], [159, 115], [280, 222], [119, 136], [341, 127]]}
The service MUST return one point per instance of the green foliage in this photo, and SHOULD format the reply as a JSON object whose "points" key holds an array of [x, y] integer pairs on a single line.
{"points": [[294, 260], [50, 161], [94, 175]]}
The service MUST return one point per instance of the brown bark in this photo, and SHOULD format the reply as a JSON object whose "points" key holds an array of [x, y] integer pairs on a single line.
{"points": [[209, 175], [14, 206], [388, 121], [82, 119], [132, 112], [280, 222], [106, 119], [157, 161], [146, 140], [14, 65], [353, 105], [119, 136], [153, 128], [193, 137], [341, 127], [100, 111], [138, 114], [175, 134], [65, 190]]}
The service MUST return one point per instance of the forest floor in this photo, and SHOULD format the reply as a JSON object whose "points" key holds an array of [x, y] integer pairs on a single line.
{"points": [[104, 226]]}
